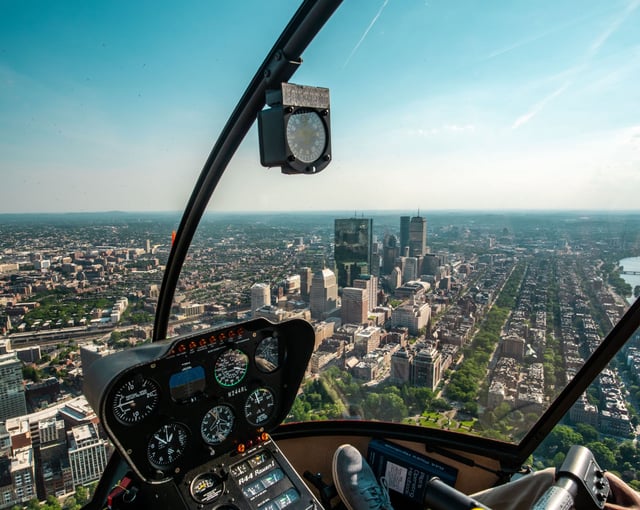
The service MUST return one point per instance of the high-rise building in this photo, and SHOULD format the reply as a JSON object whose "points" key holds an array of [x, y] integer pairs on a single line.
{"points": [[260, 296], [87, 453], [305, 282], [395, 278], [412, 316], [409, 269], [426, 368], [324, 294], [390, 252], [417, 236], [431, 263], [353, 248], [355, 305], [12, 398], [401, 363], [366, 340], [404, 235], [370, 283]]}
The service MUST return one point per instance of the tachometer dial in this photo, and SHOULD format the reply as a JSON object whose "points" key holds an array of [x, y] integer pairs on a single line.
{"points": [[231, 367], [268, 355], [217, 424], [259, 406], [167, 444], [135, 400]]}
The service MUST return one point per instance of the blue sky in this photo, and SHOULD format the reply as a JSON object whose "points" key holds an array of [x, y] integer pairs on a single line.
{"points": [[435, 104]]}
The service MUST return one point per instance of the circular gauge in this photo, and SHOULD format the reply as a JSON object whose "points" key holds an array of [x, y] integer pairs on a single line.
{"points": [[135, 400], [167, 444], [306, 135], [206, 488], [259, 406], [217, 424], [231, 367], [267, 354]]}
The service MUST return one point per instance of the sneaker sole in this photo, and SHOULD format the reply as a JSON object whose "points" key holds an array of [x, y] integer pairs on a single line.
{"points": [[334, 474]]}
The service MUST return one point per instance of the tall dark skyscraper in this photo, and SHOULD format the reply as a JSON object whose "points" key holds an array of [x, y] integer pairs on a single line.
{"points": [[353, 247], [390, 253], [404, 234], [417, 236]]}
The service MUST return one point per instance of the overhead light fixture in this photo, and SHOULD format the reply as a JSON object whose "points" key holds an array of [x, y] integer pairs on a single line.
{"points": [[295, 131]]}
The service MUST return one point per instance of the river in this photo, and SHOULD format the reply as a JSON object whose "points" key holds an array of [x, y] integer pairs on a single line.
{"points": [[631, 264]]}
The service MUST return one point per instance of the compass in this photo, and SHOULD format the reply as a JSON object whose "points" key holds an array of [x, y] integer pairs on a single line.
{"points": [[295, 132]]}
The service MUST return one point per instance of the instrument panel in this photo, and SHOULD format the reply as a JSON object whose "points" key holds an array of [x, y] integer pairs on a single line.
{"points": [[172, 406]]}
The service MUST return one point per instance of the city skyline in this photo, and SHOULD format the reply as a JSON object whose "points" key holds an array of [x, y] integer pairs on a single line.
{"points": [[509, 107]]}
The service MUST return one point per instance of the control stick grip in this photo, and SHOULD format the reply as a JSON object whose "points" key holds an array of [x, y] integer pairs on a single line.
{"points": [[580, 483]]}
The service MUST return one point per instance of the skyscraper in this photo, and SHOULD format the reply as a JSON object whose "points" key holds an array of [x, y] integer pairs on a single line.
{"points": [[324, 294], [404, 235], [426, 368], [390, 253], [370, 283], [87, 453], [305, 282], [355, 305], [260, 296], [417, 236], [12, 397], [353, 247]]}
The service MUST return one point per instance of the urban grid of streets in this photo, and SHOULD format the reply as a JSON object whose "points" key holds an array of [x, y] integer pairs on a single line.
{"points": [[62, 277]]}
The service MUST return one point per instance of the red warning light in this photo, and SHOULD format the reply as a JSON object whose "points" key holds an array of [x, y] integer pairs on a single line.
{"points": [[182, 348], [240, 448]]}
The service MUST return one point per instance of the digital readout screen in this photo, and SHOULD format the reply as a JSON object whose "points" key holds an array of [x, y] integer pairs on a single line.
{"points": [[184, 385]]}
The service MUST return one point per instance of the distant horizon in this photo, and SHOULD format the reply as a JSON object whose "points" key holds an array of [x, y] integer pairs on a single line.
{"points": [[342, 212]]}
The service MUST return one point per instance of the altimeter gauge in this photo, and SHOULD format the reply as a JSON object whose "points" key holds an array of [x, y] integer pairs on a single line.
{"points": [[134, 400], [217, 424], [167, 444]]}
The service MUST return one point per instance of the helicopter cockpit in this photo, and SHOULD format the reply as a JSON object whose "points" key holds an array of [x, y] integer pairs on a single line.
{"points": [[417, 233], [191, 417]]}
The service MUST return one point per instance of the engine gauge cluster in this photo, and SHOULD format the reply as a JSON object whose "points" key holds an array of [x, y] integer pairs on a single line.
{"points": [[172, 406]]}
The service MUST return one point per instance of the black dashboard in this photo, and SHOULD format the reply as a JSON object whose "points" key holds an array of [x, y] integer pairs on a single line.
{"points": [[194, 413]]}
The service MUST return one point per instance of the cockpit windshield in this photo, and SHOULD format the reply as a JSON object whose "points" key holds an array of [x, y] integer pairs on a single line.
{"points": [[475, 236], [473, 240]]}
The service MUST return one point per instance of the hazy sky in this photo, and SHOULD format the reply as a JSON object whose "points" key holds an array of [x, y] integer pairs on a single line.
{"points": [[436, 104]]}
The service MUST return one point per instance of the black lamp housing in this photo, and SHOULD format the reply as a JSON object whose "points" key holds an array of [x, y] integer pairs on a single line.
{"points": [[277, 148]]}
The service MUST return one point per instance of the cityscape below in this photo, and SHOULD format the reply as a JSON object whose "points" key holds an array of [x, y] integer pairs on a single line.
{"points": [[466, 321]]}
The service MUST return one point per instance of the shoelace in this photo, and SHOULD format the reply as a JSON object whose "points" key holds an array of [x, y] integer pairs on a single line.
{"points": [[378, 495]]}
